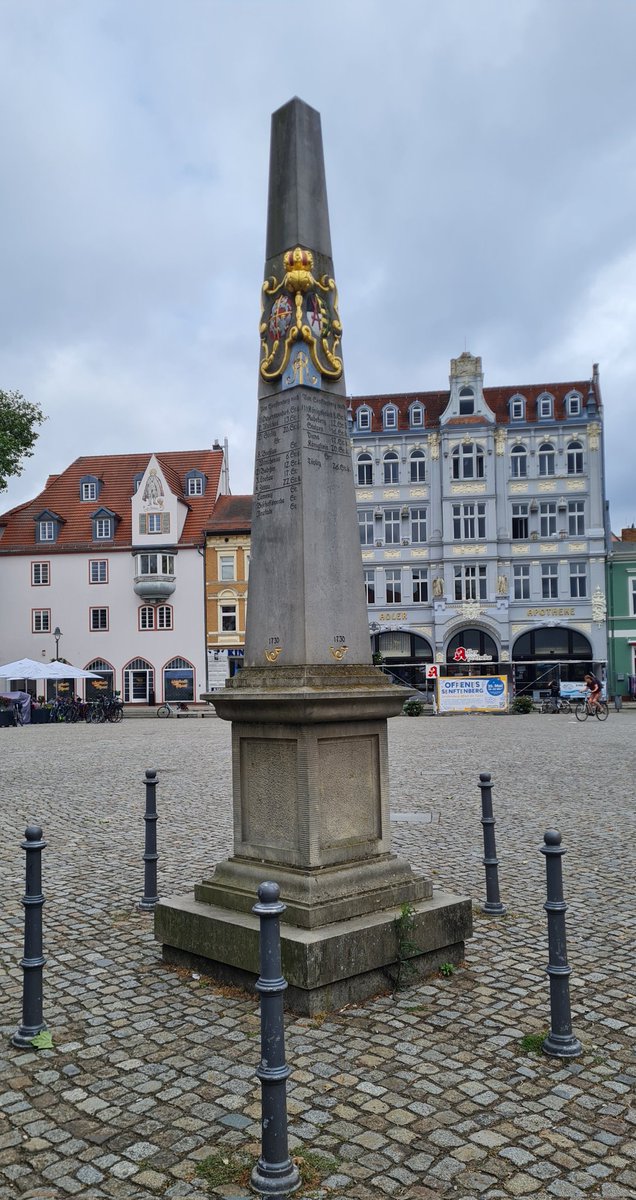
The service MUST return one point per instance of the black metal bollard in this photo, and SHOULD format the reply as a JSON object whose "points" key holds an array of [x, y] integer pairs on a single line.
{"points": [[150, 896], [33, 961], [491, 862], [274, 1173], [560, 1042]]}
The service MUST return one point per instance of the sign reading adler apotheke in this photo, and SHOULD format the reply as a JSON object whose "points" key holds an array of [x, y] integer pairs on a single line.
{"points": [[481, 694]]}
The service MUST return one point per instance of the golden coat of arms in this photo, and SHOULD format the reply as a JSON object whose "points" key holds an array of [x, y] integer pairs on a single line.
{"points": [[300, 308]]}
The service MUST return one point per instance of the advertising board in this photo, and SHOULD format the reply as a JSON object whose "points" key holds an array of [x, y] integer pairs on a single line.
{"points": [[456, 693]]}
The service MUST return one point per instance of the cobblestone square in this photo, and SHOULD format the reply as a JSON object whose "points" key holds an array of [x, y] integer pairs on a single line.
{"points": [[421, 1094]]}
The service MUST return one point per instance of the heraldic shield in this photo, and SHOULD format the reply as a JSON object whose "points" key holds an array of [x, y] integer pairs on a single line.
{"points": [[297, 307]]}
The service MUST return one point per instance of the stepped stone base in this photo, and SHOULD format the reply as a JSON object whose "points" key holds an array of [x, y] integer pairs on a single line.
{"points": [[341, 963]]}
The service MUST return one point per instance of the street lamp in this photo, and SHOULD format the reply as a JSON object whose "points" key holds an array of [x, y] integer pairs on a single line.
{"points": [[57, 634]]}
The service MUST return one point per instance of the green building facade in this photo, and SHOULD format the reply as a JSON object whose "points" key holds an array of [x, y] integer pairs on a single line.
{"points": [[621, 616]]}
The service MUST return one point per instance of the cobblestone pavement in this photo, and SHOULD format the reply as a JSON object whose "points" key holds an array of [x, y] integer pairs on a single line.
{"points": [[419, 1095]]}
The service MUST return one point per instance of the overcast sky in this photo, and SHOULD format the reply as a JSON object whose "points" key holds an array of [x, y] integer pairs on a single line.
{"points": [[481, 170]]}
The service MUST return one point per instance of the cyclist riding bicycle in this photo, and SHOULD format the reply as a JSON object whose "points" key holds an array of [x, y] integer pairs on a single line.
{"points": [[594, 686]]}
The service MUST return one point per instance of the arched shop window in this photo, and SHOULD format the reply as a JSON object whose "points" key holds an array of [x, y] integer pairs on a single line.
{"points": [[105, 685], [403, 646], [178, 680], [479, 648], [552, 641]]}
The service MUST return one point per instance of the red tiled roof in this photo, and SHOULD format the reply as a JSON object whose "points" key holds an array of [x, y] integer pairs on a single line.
{"points": [[61, 494], [232, 514], [497, 399]]}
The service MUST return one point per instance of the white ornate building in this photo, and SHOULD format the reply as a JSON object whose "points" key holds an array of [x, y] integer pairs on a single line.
{"points": [[481, 517]]}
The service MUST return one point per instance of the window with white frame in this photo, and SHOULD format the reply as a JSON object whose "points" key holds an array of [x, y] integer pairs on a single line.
{"points": [[466, 402], [40, 574], [227, 566], [164, 616], [228, 618], [417, 467], [393, 576], [547, 519], [47, 531], [146, 616], [89, 491], [153, 522], [391, 467], [365, 470], [419, 580], [103, 528], [517, 408], [364, 418], [576, 517], [155, 564], [98, 619], [520, 520], [418, 524], [632, 593], [575, 458], [98, 570], [574, 405], [369, 586], [518, 462], [544, 406], [470, 582], [195, 485], [549, 581], [468, 461], [41, 620], [578, 580], [365, 525], [392, 526], [546, 458], [159, 617], [416, 414], [390, 416], [469, 522], [521, 581]]}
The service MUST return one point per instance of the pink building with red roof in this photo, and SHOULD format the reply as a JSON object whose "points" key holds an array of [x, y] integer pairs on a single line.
{"points": [[110, 558]]}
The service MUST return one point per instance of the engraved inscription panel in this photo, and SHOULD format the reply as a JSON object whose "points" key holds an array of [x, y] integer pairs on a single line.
{"points": [[349, 790], [269, 792], [298, 433]]}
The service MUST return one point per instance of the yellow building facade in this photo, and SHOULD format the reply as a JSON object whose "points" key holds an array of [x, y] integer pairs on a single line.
{"points": [[227, 555]]}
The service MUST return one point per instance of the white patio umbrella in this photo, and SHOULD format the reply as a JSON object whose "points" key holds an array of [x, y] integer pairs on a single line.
{"points": [[62, 670], [26, 668]]}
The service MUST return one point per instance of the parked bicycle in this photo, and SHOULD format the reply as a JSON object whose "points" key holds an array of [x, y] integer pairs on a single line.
{"points": [[106, 708], [558, 706], [172, 710], [591, 708], [67, 708]]}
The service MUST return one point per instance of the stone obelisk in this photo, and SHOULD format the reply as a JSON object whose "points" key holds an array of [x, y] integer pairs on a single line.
{"points": [[309, 710]]}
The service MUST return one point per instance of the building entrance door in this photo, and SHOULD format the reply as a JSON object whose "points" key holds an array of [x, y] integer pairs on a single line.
{"points": [[139, 683]]}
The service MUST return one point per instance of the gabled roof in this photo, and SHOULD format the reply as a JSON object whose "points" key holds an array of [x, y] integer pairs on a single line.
{"points": [[497, 398], [232, 514], [61, 494]]}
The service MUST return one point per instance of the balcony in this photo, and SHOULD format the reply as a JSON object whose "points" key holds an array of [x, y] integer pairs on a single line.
{"points": [[154, 587]]}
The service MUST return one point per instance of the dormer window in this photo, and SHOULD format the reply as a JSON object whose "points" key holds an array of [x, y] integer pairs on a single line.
{"points": [[47, 526], [364, 418], [517, 408], [574, 404], [466, 402], [544, 407], [416, 416], [89, 487], [103, 525], [390, 416], [195, 482], [137, 480]]}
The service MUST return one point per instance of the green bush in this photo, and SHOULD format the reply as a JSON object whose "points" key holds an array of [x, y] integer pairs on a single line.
{"points": [[413, 708], [521, 704]]}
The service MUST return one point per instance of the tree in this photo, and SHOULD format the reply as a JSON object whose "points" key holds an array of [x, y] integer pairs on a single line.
{"points": [[19, 419]]}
